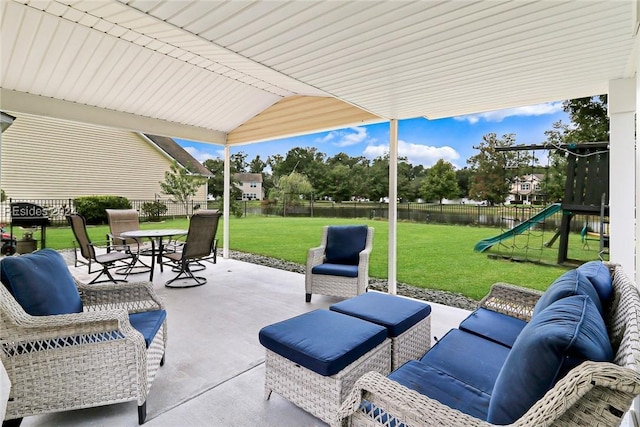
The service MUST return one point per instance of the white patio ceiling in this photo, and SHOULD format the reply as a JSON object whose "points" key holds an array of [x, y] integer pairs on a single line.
{"points": [[201, 69]]}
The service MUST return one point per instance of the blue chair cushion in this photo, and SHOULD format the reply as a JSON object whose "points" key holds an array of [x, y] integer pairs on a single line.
{"points": [[322, 340], [439, 385], [494, 326], [600, 277], [472, 359], [344, 244], [395, 313], [562, 336], [148, 323], [343, 270], [573, 282], [41, 283]]}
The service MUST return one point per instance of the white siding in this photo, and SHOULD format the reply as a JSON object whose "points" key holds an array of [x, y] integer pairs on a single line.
{"points": [[45, 158]]}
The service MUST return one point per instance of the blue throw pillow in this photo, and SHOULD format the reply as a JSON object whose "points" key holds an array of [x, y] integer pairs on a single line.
{"points": [[556, 340], [570, 283], [41, 283], [344, 244], [600, 277]]}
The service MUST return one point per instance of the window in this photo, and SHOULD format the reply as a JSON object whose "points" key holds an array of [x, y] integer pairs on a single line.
{"points": [[253, 184], [524, 187]]}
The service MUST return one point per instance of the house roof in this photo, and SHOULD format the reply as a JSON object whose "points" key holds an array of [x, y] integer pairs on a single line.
{"points": [[213, 71], [248, 177], [180, 155]]}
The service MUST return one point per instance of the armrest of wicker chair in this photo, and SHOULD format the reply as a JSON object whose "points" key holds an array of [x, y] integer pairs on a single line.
{"points": [[133, 297], [512, 300], [315, 256]]}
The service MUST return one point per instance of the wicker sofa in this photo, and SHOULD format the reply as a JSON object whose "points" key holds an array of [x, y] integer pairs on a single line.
{"points": [[592, 393]]}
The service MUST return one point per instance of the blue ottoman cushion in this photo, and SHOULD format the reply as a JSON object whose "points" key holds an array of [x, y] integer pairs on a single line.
{"points": [[344, 244], [41, 283], [494, 326], [322, 340], [395, 313], [600, 277], [441, 386], [343, 270], [148, 323], [570, 283], [468, 357], [556, 340]]}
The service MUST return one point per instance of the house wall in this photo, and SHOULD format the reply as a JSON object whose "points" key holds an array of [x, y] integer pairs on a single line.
{"points": [[46, 158], [248, 191]]}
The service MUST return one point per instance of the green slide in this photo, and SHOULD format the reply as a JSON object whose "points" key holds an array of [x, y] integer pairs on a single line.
{"points": [[485, 244]]}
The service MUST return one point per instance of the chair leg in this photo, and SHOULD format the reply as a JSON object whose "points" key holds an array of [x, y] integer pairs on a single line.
{"points": [[12, 423], [186, 273], [308, 297], [142, 413]]}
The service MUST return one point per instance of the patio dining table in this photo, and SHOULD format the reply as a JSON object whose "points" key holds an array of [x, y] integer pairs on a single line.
{"points": [[157, 247]]}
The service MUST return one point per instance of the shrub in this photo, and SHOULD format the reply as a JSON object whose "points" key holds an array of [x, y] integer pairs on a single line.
{"points": [[154, 210], [93, 208]]}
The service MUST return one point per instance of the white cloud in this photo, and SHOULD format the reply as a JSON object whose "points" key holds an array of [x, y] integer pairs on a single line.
{"points": [[202, 155], [346, 137], [416, 154], [499, 115]]}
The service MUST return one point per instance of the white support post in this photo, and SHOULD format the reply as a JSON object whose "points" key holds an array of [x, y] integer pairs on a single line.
{"points": [[393, 205], [227, 203], [622, 176]]}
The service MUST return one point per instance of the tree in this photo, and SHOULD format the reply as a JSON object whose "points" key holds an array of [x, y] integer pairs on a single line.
{"points": [[238, 162], [288, 188], [590, 119], [216, 182], [463, 176], [257, 165], [180, 184], [493, 170], [441, 182]]}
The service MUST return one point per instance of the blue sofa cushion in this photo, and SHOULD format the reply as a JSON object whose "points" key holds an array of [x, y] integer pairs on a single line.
{"points": [[557, 339], [148, 323], [343, 270], [41, 283], [600, 277], [395, 313], [573, 282], [472, 359], [344, 244], [439, 385], [322, 340], [498, 327]]}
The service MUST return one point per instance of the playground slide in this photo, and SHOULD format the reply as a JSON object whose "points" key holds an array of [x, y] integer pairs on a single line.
{"points": [[485, 244]]}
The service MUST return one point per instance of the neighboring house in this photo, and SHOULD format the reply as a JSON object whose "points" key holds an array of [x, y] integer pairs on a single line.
{"points": [[527, 189], [251, 185], [46, 158]]}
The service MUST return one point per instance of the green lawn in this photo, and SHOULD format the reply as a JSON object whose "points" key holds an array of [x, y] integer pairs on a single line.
{"points": [[429, 256]]}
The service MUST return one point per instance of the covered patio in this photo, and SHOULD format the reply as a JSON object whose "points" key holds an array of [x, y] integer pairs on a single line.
{"points": [[214, 371], [232, 73]]}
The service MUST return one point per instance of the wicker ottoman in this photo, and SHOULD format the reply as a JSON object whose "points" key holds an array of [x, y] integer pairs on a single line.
{"points": [[313, 360], [408, 322]]}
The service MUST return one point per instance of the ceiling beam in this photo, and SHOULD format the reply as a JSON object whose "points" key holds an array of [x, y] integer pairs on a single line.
{"points": [[22, 102]]}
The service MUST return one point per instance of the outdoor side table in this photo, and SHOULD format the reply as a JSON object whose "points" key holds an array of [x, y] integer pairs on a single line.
{"points": [[407, 321], [314, 359]]}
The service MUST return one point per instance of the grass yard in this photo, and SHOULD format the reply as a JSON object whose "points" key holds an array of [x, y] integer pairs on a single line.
{"points": [[429, 256]]}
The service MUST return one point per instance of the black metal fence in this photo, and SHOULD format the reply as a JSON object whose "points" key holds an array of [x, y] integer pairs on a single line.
{"points": [[504, 216], [57, 209]]}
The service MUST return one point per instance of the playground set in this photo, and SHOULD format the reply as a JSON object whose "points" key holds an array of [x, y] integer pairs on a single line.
{"points": [[586, 193]]}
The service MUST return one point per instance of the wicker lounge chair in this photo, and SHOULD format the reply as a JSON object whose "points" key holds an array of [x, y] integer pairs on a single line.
{"points": [[340, 265], [199, 246], [66, 345], [592, 393], [115, 253]]}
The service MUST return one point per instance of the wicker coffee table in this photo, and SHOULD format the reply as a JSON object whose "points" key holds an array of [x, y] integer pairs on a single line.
{"points": [[313, 360]]}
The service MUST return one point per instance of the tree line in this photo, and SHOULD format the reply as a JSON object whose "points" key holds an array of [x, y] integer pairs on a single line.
{"points": [[488, 174]]}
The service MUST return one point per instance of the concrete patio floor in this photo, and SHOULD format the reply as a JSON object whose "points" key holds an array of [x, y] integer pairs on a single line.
{"points": [[214, 370]]}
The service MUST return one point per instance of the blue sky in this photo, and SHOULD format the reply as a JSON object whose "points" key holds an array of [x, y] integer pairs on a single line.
{"points": [[422, 141]]}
